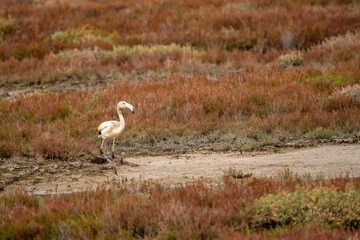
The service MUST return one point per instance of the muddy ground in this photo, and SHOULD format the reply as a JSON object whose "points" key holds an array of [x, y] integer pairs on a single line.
{"points": [[42, 176]]}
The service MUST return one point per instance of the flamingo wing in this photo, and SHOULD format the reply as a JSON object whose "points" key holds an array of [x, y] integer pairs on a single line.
{"points": [[108, 126]]}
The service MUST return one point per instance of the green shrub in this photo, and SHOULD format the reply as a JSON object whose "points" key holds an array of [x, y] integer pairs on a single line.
{"points": [[64, 111], [321, 205], [82, 34], [291, 59], [5, 25]]}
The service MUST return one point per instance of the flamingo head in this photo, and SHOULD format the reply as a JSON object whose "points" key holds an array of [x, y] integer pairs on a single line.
{"points": [[123, 104]]}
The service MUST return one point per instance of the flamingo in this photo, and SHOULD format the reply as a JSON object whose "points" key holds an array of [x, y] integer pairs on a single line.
{"points": [[112, 129]]}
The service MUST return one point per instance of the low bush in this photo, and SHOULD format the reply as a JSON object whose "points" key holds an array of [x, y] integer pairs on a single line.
{"points": [[291, 59], [319, 205], [83, 34], [352, 92]]}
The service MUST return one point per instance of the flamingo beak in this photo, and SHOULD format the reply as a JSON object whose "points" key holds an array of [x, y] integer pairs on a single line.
{"points": [[131, 107]]}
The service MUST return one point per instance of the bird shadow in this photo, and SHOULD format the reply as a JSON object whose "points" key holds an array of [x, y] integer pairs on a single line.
{"points": [[99, 160], [102, 160]]}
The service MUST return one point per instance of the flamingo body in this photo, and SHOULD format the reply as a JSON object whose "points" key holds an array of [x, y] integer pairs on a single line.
{"points": [[110, 129]]}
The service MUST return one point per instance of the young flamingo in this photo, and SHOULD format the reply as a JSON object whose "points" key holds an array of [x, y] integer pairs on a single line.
{"points": [[112, 129]]}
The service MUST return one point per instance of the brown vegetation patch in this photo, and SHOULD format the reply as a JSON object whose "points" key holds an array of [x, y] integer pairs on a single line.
{"points": [[227, 209]]}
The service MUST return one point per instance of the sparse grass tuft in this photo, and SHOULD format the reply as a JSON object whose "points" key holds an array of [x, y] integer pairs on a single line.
{"points": [[291, 59], [236, 174]]}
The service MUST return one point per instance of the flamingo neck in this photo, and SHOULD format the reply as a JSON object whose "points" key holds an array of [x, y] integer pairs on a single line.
{"points": [[122, 120]]}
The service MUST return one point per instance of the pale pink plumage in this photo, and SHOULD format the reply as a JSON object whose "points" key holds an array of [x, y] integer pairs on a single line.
{"points": [[112, 129]]}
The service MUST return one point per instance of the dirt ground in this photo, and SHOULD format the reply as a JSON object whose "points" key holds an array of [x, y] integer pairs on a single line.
{"points": [[42, 176], [12, 90]]}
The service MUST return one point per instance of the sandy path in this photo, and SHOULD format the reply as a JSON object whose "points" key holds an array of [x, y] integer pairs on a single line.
{"points": [[328, 160]]}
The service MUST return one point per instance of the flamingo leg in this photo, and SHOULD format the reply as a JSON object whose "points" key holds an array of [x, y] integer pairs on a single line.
{"points": [[112, 153], [101, 151], [111, 162], [112, 149]]}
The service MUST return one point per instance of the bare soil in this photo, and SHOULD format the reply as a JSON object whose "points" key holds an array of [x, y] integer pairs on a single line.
{"points": [[42, 176], [14, 90], [10, 90]]}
